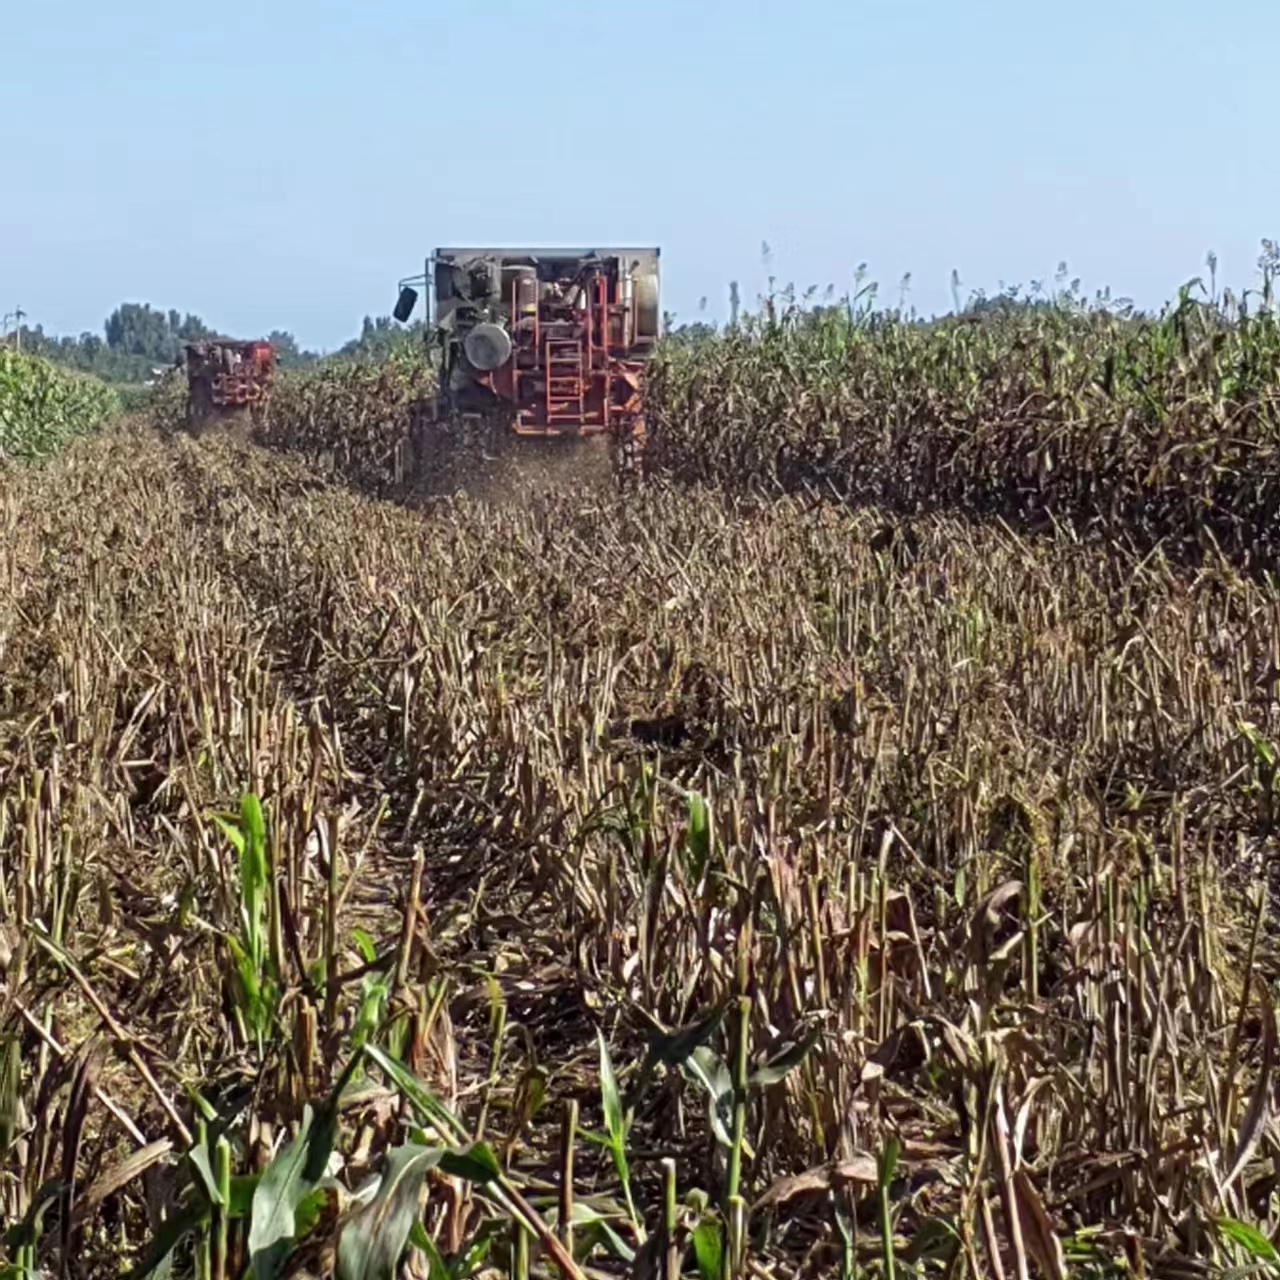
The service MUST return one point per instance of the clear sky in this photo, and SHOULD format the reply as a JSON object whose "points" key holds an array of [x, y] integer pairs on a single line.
{"points": [[283, 163]]}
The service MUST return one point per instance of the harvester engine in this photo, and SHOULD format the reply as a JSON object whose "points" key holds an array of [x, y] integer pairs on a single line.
{"points": [[539, 342], [228, 382]]}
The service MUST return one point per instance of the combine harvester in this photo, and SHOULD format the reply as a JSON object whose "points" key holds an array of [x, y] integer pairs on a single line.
{"points": [[531, 344], [229, 384]]}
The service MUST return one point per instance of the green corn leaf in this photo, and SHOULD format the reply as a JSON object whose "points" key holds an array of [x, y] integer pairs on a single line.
{"points": [[585, 1216], [887, 1163], [289, 1180], [477, 1164], [780, 1060], [159, 1257], [243, 1187], [674, 1048], [616, 1126], [283, 1187], [1251, 1240], [206, 1109], [373, 1241], [708, 1069], [373, 998], [310, 1211], [199, 1157], [255, 830], [232, 832], [708, 1248], [474, 1255], [365, 945], [698, 838], [428, 1107], [467, 1263], [610, 1099], [438, 1268]]}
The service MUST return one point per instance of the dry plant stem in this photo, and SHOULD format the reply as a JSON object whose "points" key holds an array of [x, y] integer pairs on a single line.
{"points": [[410, 925], [111, 1105], [742, 1043], [882, 885], [524, 1213], [357, 864], [329, 838], [990, 1239], [1031, 921], [670, 1222], [568, 1137], [1008, 1198], [1226, 1107], [121, 1036]]}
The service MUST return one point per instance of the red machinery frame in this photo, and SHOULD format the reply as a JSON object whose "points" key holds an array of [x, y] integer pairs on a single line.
{"points": [[570, 372], [228, 378]]}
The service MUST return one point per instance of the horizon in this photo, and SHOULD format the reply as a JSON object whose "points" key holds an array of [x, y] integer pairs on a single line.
{"points": [[1037, 290]]}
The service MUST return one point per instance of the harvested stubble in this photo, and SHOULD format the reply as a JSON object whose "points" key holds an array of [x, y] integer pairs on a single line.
{"points": [[354, 422], [980, 814]]}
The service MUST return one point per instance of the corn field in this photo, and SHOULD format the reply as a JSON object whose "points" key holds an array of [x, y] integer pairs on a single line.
{"points": [[729, 877], [348, 418], [42, 407], [1155, 431]]}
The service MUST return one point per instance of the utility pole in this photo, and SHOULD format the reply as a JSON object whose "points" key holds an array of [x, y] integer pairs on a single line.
{"points": [[17, 315]]}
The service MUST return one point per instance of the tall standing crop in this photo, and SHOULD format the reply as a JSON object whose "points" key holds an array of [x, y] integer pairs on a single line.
{"points": [[1153, 429], [42, 407]]}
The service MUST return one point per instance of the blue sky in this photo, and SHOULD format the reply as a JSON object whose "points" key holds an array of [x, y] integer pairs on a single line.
{"points": [[282, 164]]}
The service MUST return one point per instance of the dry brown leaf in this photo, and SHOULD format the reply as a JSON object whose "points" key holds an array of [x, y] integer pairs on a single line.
{"points": [[862, 1169], [1037, 1231], [120, 1175], [1255, 1120]]}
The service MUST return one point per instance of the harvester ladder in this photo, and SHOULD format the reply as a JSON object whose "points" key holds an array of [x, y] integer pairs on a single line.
{"points": [[565, 390]]}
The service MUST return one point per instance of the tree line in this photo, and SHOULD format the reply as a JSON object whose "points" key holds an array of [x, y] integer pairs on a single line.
{"points": [[137, 338]]}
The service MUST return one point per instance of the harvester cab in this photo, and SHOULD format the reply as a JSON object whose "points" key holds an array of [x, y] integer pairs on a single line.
{"points": [[539, 342]]}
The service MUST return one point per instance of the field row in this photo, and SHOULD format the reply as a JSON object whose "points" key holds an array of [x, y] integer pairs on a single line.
{"points": [[972, 823]]}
